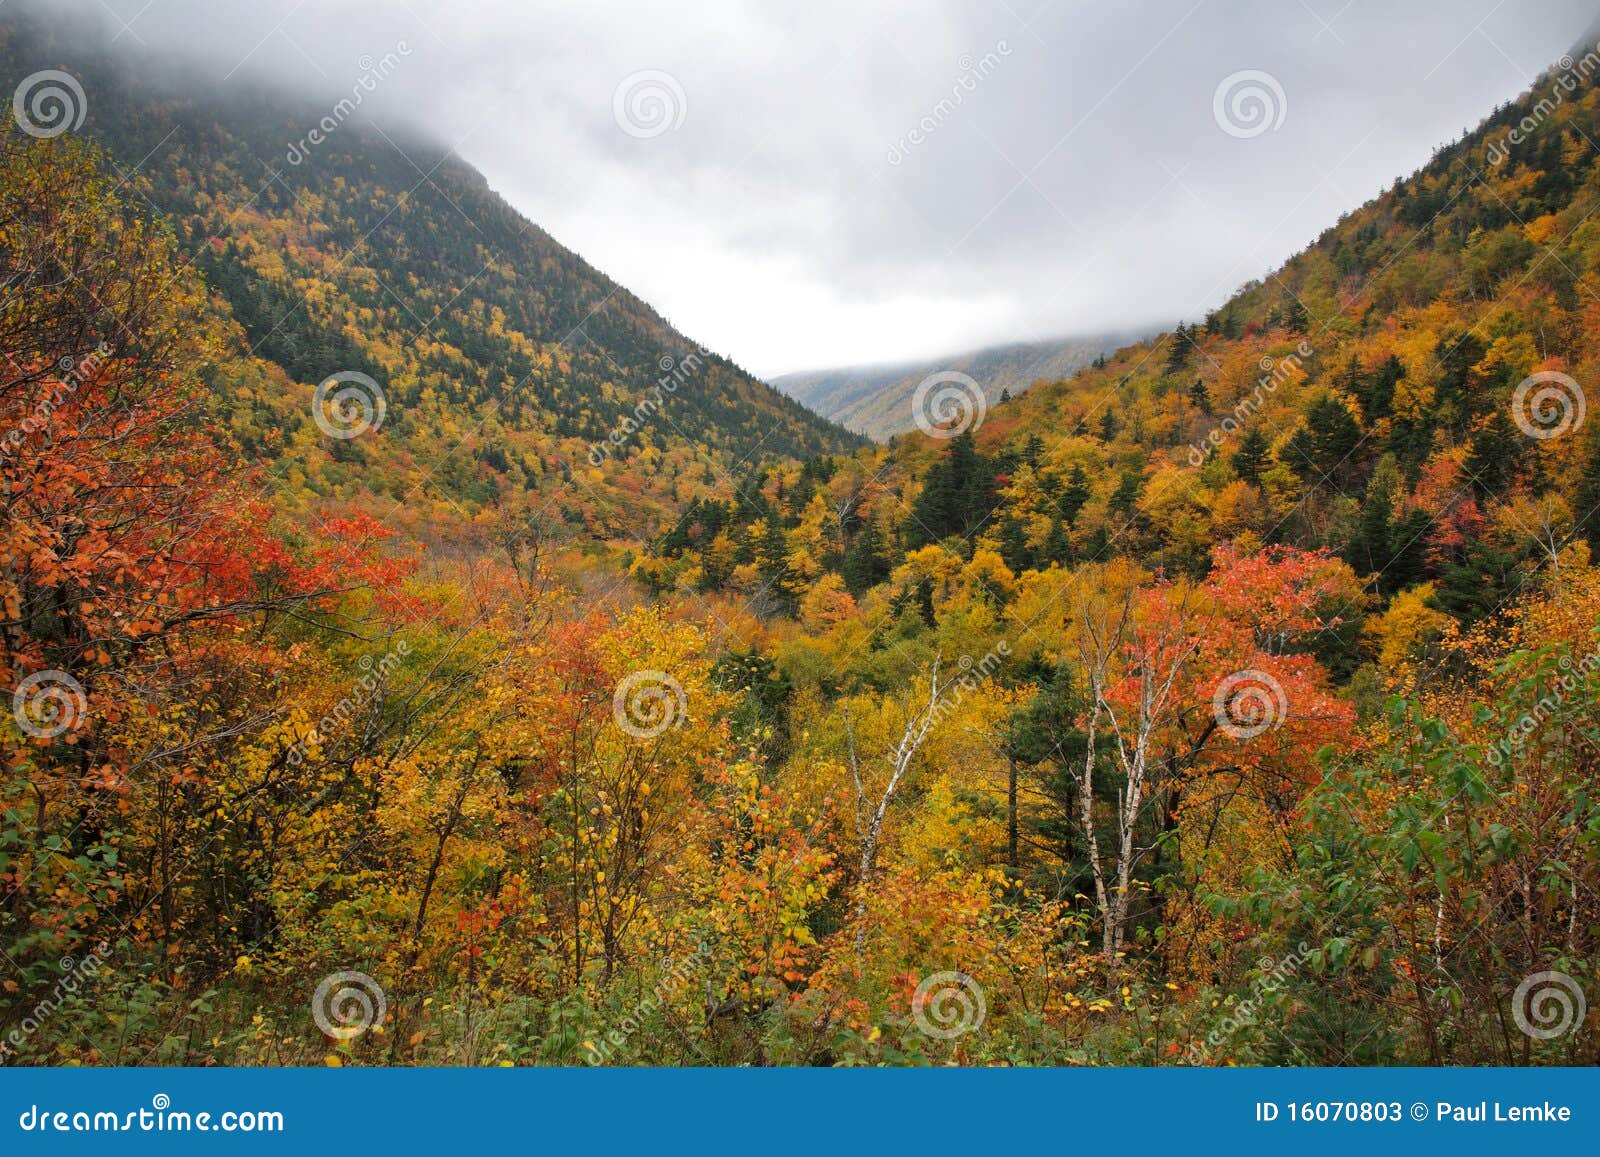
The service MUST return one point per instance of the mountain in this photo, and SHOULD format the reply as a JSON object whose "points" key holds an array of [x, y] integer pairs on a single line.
{"points": [[1408, 393], [877, 400], [1262, 648], [504, 362]]}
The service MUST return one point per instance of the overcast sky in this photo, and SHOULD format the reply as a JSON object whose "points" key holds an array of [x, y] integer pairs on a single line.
{"points": [[1073, 167]]}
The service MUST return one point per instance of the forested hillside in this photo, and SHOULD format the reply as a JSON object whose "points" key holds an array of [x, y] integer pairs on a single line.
{"points": [[1406, 395], [504, 362], [879, 400], [1231, 701]]}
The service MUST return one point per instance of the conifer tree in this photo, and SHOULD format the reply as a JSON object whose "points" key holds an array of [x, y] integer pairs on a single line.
{"points": [[1074, 494], [1250, 459]]}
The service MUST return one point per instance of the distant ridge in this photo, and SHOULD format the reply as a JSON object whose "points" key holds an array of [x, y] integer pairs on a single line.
{"points": [[876, 400]]}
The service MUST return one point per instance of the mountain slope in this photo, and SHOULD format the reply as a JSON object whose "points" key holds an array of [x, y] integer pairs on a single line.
{"points": [[877, 400], [1408, 393], [502, 358]]}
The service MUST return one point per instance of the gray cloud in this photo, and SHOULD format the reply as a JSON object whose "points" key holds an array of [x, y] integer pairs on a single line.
{"points": [[1066, 173]]}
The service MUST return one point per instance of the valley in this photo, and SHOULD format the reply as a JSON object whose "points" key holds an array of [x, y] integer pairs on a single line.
{"points": [[420, 652]]}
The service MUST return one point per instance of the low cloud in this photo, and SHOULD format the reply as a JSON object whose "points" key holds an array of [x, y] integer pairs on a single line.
{"points": [[838, 183]]}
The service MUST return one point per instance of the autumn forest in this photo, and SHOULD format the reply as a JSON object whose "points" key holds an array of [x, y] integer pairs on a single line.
{"points": [[416, 651]]}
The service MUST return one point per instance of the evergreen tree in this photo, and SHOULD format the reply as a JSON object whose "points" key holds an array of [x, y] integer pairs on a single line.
{"points": [[1033, 451], [1126, 497], [1586, 498], [1295, 318], [1058, 546], [866, 563], [1250, 459], [1045, 734], [924, 603], [1477, 585], [1322, 447], [1493, 456], [933, 510], [1349, 379], [1377, 390], [1407, 563], [1369, 551], [972, 480], [1014, 545], [957, 497], [1179, 347], [1074, 494], [1454, 358], [772, 560]]}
